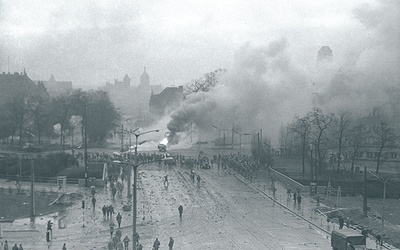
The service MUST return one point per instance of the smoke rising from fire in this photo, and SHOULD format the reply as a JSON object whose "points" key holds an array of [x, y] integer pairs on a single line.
{"points": [[267, 87]]}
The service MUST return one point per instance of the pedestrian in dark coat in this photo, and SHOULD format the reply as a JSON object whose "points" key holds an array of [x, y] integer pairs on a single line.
{"points": [[156, 244], [5, 245], [119, 218], [104, 209], [180, 209], [94, 202], [299, 199], [341, 222], [15, 247], [171, 243]]}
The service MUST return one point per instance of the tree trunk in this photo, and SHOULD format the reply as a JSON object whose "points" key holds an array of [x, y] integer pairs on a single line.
{"points": [[379, 159]]}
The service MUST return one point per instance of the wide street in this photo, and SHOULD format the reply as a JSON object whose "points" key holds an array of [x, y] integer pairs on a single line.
{"points": [[221, 212]]}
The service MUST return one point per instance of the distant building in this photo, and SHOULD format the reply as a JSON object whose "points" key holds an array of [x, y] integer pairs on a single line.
{"points": [[325, 53], [170, 97], [55, 87], [144, 78], [18, 83], [133, 99]]}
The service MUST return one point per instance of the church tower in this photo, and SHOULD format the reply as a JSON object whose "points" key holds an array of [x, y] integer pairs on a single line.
{"points": [[144, 78], [126, 81]]}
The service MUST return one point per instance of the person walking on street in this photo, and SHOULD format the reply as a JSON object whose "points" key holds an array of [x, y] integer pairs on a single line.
{"points": [[112, 225], [378, 240], [64, 247], [118, 234], [166, 183], [108, 211], [111, 211], [110, 245], [299, 200], [48, 238], [171, 243], [180, 209], [126, 242], [119, 218], [140, 247], [120, 245], [104, 209], [94, 202], [6, 245], [341, 222], [156, 244], [15, 247], [21, 248]]}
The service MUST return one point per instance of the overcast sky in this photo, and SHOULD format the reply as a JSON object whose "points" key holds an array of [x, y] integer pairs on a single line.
{"points": [[91, 42]]}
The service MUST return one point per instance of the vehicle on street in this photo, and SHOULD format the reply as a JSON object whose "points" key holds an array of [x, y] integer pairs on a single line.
{"points": [[346, 239]]}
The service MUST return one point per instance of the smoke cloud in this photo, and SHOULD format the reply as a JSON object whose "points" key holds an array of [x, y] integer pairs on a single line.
{"points": [[267, 87]]}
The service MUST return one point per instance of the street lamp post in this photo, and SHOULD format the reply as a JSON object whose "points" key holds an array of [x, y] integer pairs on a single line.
{"points": [[385, 181], [129, 152], [135, 166]]}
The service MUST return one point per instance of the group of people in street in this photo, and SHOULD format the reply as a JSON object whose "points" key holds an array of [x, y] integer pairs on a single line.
{"points": [[156, 244], [15, 247], [108, 211]]}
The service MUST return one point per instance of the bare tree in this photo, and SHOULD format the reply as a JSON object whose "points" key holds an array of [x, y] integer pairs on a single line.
{"points": [[301, 128], [384, 136], [357, 139], [39, 110], [205, 83], [321, 122], [17, 109], [343, 127]]}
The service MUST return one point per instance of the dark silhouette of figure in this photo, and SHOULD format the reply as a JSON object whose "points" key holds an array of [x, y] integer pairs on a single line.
{"points": [[119, 219], [180, 209]]}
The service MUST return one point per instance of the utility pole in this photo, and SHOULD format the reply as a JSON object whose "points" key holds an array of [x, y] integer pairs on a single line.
{"points": [[233, 129], [85, 155], [32, 213], [365, 192]]}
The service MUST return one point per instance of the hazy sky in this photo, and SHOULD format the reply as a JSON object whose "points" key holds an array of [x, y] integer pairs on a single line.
{"points": [[91, 42]]}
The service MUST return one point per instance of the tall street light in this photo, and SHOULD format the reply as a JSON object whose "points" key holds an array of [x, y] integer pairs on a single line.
{"points": [[129, 152], [135, 166], [384, 194]]}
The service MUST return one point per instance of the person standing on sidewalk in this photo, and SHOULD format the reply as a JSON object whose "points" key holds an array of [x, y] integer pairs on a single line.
{"points": [[171, 243], [15, 247], [20, 247], [64, 247], [180, 209], [119, 219]]}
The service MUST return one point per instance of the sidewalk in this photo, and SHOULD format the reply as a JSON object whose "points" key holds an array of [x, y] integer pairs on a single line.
{"points": [[307, 211]]}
